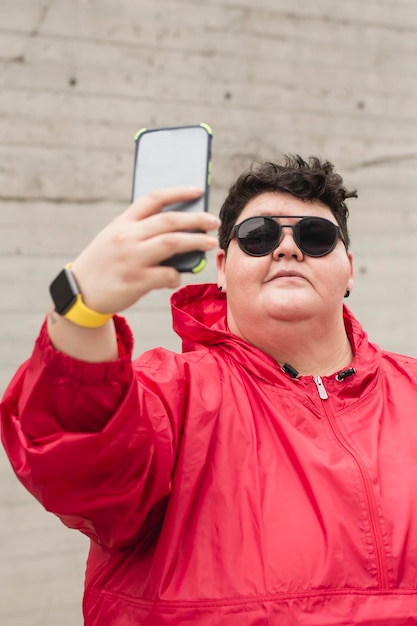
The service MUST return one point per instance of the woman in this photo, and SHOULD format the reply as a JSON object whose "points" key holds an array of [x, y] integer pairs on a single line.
{"points": [[267, 474]]}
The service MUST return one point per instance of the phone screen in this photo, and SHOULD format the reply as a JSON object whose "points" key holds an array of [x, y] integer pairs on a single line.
{"points": [[173, 157]]}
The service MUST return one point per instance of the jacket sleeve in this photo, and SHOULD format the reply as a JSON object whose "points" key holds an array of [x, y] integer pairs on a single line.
{"points": [[94, 442]]}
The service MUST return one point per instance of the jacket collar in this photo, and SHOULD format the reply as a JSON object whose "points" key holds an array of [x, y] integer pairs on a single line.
{"points": [[199, 318]]}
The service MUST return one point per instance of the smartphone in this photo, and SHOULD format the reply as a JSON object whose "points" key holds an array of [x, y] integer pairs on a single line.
{"points": [[172, 157]]}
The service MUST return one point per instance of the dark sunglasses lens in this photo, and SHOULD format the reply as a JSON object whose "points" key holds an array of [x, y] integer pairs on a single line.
{"points": [[258, 236], [316, 236]]}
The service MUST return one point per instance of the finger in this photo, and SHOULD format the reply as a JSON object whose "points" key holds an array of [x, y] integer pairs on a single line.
{"points": [[171, 221], [155, 201], [158, 277], [157, 249]]}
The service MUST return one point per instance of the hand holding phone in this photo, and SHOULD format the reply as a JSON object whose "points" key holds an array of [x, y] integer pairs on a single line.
{"points": [[122, 263], [172, 157]]}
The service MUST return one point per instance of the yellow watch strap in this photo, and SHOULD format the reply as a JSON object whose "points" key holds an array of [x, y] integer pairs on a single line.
{"points": [[82, 315]]}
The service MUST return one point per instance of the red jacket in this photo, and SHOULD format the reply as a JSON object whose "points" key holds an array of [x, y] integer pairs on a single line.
{"points": [[216, 489]]}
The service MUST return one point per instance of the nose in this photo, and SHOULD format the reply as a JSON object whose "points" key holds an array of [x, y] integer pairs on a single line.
{"points": [[287, 246]]}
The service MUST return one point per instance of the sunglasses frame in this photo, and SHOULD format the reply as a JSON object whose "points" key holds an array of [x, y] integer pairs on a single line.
{"points": [[272, 218]]}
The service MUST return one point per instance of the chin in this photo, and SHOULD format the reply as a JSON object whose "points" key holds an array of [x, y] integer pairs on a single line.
{"points": [[289, 309]]}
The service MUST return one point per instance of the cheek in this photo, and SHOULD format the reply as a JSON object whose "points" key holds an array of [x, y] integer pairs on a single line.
{"points": [[334, 279], [244, 273]]}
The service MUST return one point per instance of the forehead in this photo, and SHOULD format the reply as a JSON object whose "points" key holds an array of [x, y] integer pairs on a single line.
{"points": [[274, 203]]}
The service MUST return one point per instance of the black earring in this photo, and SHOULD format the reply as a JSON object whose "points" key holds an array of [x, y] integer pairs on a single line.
{"points": [[347, 293], [220, 288]]}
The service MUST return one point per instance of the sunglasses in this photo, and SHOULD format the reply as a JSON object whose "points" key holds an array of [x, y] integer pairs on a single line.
{"points": [[259, 236]]}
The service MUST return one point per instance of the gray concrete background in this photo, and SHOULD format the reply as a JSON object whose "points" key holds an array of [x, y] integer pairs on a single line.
{"points": [[79, 77]]}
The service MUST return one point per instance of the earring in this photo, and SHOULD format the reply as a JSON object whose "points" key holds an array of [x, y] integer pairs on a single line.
{"points": [[220, 288], [347, 293]]}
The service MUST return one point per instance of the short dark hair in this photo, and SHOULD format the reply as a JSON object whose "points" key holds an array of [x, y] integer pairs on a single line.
{"points": [[308, 180]]}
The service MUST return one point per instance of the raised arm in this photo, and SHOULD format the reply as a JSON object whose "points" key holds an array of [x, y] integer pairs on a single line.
{"points": [[90, 437]]}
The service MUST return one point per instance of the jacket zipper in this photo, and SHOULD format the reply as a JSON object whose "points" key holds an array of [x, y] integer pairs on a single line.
{"points": [[321, 388], [377, 538]]}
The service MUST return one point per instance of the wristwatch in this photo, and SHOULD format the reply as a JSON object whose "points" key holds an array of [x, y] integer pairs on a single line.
{"points": [[68, 301]]}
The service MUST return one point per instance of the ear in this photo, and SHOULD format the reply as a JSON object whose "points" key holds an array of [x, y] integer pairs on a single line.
{"points": [[221, 269], [351, 275]]}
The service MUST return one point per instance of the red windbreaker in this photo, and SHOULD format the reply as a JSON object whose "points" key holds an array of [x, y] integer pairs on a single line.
{"points": [[216, 489]]}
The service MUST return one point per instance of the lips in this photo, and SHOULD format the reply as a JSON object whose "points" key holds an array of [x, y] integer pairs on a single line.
{"points": [[287, 274]]}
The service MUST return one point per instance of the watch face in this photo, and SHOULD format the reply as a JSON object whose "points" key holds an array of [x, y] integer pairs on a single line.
{"points": [[64, 291]]}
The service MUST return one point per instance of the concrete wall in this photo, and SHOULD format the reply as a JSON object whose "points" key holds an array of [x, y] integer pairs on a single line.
{"points": [[79, 77]]}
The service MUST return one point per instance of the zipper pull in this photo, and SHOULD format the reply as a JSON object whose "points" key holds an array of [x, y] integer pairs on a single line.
{"points": [[320, 388], [340, 377]]}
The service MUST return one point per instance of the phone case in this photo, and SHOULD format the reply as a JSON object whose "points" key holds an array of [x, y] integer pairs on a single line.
{"points": [[172, 157]]}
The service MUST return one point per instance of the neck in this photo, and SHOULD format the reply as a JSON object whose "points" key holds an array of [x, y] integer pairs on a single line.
{"points": [[316, 360], [312, 350]]}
